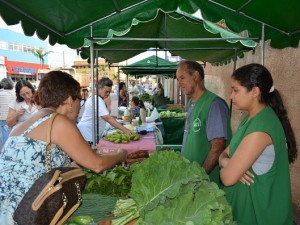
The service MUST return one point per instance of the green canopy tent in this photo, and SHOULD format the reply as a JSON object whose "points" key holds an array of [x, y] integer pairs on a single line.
{"points": [[71, 21], [273, 20], [172, 128], [152, 65], [197, 40]]}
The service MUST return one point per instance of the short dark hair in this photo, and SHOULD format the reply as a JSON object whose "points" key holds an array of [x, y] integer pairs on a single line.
{"points": [[55, 87], [105, 81], [7, 83], [193, 66]]}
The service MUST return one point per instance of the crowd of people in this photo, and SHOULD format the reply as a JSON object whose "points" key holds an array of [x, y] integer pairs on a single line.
{"points": [[251, 166]]}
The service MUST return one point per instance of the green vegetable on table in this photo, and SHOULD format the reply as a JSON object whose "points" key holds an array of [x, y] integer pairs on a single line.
{"points": [[170, 114], [80, 220], [114, 182], [168, 189], [120, 137], [145, 97], [96, 206]]}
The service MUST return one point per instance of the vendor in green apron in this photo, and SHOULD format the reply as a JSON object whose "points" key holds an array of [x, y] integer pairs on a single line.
{"points": [[207, 127], [255, 166]]}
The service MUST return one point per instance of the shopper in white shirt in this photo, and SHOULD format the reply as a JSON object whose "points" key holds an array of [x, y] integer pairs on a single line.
{"points": [[86, 123], [23, 107], [7, 96]]}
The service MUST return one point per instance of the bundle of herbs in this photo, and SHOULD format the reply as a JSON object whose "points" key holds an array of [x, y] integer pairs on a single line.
{"points": [[168, 189], [115, 182]]}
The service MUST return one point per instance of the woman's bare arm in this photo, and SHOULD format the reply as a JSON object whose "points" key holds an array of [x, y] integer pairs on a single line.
{"points": [[247, 153], [66, 135]]}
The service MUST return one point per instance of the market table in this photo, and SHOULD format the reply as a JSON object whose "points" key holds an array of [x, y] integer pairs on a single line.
{"points": [[146, 142]]}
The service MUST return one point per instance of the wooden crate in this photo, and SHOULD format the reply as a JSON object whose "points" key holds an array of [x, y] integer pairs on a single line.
{"points": [[175, 106]]}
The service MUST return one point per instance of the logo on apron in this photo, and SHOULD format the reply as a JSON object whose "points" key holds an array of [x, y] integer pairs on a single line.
{"points": [[197, 125]]}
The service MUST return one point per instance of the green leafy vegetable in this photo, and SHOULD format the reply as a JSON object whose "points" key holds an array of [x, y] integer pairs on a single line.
{"points": [[168, 189], [96, 206], [145, 97], [115, 182]]}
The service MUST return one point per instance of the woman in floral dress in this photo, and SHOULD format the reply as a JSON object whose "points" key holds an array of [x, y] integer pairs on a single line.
{"points": [[22, 160]]}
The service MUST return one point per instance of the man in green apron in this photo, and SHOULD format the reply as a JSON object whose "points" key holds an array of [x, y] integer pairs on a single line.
{"points": [[207, 128]]}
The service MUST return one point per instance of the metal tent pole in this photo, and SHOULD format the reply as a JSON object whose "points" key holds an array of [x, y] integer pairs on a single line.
{"points": [[234, 68], [97, 99], [171, 39], [93, 87], [262, 57], [118, 92]]}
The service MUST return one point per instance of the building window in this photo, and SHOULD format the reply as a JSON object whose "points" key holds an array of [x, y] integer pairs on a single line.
{"points": [[3, 45], [27, 49], [11, 46]]}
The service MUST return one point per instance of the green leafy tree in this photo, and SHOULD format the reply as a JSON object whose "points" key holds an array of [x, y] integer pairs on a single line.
{"points": [[39, 53]]}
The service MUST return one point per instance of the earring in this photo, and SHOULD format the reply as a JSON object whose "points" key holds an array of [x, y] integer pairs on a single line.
{"points": [[71, 109]]}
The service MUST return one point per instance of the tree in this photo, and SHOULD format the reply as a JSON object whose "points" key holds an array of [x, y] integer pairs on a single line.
{"points": [[39, 53]]}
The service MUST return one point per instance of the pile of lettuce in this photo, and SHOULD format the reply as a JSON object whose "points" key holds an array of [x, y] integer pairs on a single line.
{"points": [[168, 189]]}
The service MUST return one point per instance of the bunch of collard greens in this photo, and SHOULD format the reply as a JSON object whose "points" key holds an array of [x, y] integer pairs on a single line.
{"points": [[168, 189], [114, 182]]}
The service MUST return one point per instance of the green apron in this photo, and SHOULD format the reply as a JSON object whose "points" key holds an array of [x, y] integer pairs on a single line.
{"points": [[268, 200], [197, 145]]}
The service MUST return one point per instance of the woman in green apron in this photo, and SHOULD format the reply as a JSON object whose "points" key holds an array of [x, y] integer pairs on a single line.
{"points": [[255, 166]]}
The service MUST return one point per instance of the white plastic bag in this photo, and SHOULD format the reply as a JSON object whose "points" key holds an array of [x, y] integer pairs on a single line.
{"points": [[154, 115]]}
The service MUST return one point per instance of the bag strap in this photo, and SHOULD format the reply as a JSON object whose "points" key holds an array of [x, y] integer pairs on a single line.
{"points": [[49, 143]]}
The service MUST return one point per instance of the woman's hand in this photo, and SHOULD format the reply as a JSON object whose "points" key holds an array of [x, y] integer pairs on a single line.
{"points": [[20, 112], [127, 131], [123, 153], [247, 178]]}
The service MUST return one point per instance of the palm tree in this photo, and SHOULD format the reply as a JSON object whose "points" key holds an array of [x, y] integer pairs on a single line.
{"points": [[39, 53]]}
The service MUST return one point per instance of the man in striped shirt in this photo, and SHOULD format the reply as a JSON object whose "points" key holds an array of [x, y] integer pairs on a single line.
{"points": [[7, 95]]}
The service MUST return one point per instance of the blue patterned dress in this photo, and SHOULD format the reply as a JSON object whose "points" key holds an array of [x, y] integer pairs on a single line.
{"points": [[22, 162]]}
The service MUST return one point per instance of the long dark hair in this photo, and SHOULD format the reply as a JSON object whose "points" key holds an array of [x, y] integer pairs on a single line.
{"points": [[19, 85], [121, 84], [256, 75], [138, 102]]}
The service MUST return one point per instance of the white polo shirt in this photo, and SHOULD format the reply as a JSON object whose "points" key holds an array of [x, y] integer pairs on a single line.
{"points": [[85, 125]]}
